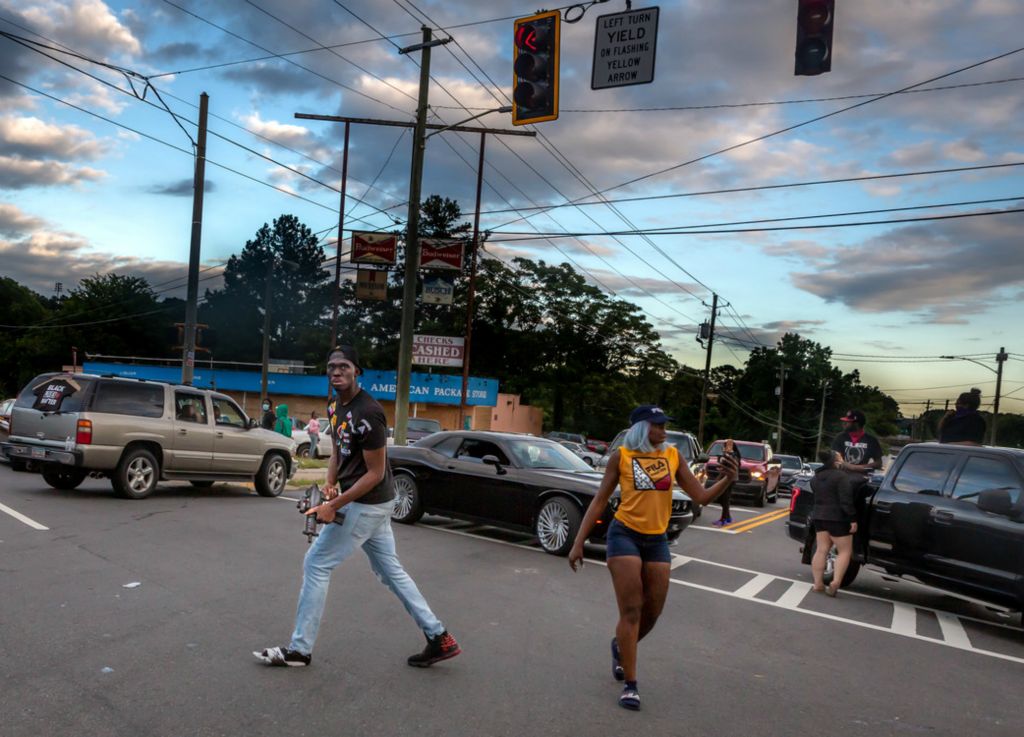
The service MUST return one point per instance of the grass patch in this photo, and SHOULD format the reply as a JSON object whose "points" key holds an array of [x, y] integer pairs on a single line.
{"points": [[313, 463]]}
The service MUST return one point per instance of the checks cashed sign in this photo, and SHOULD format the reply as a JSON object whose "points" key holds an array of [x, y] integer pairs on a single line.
{"points": [[437, 350]]}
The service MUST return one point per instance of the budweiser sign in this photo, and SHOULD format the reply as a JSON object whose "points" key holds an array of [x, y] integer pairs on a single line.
{"points": [[373, 248], [441, 253]]}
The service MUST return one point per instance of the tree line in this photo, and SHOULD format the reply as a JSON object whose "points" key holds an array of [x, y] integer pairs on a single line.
{"points": [[585, 357]]}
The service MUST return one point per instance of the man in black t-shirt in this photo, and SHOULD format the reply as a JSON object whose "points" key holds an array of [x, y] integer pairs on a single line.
{"points": [[861, 452], [358, 481]]}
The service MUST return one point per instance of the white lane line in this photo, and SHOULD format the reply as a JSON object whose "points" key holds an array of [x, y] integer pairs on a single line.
{"points": [[794, 595], [953, 631], [22, 518], [904, 619], [679, 560], [754, 586], [712, 529]]}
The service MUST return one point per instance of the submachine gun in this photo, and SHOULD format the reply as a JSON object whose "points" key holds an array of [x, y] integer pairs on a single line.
{"points": [[311, 497]]}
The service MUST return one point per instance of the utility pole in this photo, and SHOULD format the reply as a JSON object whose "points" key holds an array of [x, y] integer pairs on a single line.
{"points": [[188, 361], [821, 419], [782, 379], [926, 425], [341, 231], [707, 371], [471, 294], [265, 360], [1000, 360]]}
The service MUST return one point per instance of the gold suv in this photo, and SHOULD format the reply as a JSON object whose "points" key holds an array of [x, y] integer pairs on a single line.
{"points": [[137, 432]]}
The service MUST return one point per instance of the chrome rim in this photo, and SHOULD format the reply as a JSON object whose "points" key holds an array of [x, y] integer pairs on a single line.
{"points": [[405, 490], [140, 474], [275, 475], [552, 526]]}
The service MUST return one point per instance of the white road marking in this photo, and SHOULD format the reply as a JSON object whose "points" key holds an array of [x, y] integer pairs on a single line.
{"points": [[712, 529], [904, 619], [754, 586], [794, 595], [679, 560], [22, 518], [953, 631]]}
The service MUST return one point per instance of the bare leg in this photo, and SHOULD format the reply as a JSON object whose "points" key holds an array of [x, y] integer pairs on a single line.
{"points": [[823, 543], [844, 550], [627, 579], [655, 581]]}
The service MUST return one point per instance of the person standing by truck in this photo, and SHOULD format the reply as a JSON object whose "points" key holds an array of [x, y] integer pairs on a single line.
{"points": [[964, 425], [835, 519], [861, 452]]}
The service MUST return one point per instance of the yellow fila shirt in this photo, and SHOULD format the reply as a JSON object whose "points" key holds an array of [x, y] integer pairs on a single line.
{"points": [[645, 483]]}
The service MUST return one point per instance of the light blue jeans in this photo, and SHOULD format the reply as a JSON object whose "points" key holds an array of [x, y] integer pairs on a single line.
{"points": [[366, 526]]}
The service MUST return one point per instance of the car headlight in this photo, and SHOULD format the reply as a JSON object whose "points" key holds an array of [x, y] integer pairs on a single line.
{"points": [[757, 474]]}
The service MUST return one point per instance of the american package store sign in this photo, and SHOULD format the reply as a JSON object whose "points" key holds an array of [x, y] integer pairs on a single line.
{"points": [[437, 350], [441, 253], [371, 284], [374, 248]]}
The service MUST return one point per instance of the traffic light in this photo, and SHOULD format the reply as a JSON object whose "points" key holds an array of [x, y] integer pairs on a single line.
{"points": [[814, 36], [535, 65]]}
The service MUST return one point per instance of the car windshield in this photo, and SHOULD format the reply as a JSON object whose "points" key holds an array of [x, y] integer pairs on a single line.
{"points": [[793, 463], [747, 452], [423, 425], [540, 453]]}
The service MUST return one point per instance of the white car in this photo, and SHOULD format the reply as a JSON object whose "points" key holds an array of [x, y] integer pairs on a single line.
{"points": [[589, 457], [301, 438]]}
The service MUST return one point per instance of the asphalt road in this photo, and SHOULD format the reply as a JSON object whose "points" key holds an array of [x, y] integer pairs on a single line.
{"points": [[742, 648]]}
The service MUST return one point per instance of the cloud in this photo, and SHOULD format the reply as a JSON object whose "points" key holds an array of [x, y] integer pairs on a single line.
{"points": [[18, 173], [29, 136], [181, 188], [89, 26], [15, 223]]}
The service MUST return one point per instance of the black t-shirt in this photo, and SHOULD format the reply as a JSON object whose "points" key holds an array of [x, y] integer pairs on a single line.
{"points": [[860, 453], [268, 420], [968, 428], [357, 426]]}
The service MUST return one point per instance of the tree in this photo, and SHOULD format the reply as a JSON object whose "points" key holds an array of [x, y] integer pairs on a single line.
{"points": [[19, 306]]}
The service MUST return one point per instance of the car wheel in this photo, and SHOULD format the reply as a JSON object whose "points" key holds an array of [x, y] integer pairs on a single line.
{"points": [[273, 474], [588, 461], [302, 451], [558, 521], [408, 503], [201, 484], [830, 567], [136, 475], [64, 478]]}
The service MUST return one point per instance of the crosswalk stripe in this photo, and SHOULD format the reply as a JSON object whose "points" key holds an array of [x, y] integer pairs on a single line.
{"points": [[794, 595], [904, 619], [754, 586], [678, 560], [953, 631]]}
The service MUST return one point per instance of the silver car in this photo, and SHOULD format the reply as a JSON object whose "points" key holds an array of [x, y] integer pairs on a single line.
{"points": [[136, 433]]}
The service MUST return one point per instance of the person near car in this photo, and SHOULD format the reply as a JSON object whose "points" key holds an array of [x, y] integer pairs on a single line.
{"points": [[724, 500], [964, 425], [313, 429], [835, 519], [644, 468], [269, 418], [283, 423], [359, 482], [861, 452]]}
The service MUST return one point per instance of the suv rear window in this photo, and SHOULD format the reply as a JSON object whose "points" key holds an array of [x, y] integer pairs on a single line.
{"points": [[128, 398], [69, 403]]}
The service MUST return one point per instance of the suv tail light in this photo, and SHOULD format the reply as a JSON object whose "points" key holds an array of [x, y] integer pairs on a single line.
{"points": [[792, 497], [83, 434]]}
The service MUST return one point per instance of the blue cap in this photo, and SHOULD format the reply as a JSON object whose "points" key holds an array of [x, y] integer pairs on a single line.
{"points": [[649, 412]]}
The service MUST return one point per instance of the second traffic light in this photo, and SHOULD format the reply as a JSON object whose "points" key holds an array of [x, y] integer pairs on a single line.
{"points": [[814, 22], [535, 78]]}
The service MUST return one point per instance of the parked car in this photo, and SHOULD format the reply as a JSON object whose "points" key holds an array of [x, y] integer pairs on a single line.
{"points": [[418, 428], [517, 482], [684, 441], [301, 438], [5, 423], [596, 446], [792, 466], [759, 471], [588, 456], [572, 437], [136, 432], [950, 516]]}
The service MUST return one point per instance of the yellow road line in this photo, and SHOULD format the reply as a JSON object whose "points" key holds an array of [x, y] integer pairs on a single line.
{"points": [[763, 519], [745, 522]]}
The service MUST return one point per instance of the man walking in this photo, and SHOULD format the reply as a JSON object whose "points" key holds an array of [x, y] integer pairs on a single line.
{"points": [[359, 484], [861, 452]]}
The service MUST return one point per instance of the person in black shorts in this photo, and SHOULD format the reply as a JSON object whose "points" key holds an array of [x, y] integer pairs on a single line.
{"points": [[835, 519]]}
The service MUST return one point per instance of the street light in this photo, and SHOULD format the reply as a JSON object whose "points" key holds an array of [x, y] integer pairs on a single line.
{"points": [[267, 296], [1000, 359], [503, 109]]}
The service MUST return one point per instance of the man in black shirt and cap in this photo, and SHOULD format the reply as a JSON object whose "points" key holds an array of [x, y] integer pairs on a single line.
{"points": [[861, 452]]}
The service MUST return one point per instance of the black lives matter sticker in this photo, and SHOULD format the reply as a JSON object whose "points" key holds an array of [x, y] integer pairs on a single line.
{"points": [[50, 394]]}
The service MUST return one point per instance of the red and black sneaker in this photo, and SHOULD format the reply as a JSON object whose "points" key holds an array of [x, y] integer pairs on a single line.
{"points": [[438, 648]]}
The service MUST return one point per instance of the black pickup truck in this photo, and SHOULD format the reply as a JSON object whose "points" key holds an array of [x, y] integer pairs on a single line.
{"points": [[950, 516]]}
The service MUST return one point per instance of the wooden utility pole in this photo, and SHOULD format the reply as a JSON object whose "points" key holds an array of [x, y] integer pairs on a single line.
{"points": [[341, 231], [188, 358], [707, 371]]}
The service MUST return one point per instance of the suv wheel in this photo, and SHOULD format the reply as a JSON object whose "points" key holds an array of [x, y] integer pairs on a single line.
{"points": [[558, 521], [64, 478], [272, 476], [408, 504], [136, 475]]}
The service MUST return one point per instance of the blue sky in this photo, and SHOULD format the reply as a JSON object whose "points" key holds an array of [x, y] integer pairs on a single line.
{"points": [[82, 195]]}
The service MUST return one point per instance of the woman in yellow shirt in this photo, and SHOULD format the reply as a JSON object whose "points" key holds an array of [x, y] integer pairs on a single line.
{"points": [[644, 467]]}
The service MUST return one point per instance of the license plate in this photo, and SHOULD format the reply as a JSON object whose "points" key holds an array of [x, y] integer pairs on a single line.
{"points": [[39, 452]]}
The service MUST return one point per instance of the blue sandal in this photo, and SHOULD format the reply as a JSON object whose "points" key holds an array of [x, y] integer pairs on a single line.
{"points": [[630, 699]]}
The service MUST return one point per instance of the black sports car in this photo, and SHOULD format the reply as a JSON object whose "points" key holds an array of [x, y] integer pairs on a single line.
{"points": [[518, 482]]}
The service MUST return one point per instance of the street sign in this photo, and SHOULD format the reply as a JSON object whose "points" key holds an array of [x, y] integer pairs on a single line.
{"points": [[437, 350], [441, 253], [438, 291], [624, 48], [373, 248], [371, 284]]}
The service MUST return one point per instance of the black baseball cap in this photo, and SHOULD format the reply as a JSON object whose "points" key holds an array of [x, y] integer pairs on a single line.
{"points": [[649, 412], [350, 353], [854, 415]]}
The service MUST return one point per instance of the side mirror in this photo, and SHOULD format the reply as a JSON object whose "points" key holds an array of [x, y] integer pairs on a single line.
{"points": [[492, 460], [252, 423], [702, 458], [997, 501]]}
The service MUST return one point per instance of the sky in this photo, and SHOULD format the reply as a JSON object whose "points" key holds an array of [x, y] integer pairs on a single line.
{"points": [[96, 172]]}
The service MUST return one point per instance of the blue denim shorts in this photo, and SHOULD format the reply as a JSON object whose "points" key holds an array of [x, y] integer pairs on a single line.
{"points": [[621, 540]]}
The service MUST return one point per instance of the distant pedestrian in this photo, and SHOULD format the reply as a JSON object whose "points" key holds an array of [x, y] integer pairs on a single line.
{"points": [[964, 425], [835, 519], [283, 424], [313, 429], [269, 418], [639, 560], [861, 452]]}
